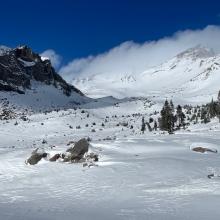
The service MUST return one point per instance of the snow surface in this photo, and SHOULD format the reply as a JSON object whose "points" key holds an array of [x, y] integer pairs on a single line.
{"points": [[44, 58], [139, 176], [43, 97], [26, 63]]}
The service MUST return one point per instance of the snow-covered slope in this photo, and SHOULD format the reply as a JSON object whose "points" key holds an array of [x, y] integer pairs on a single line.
{"points": [[149, 175], [192, 75], [138, 176]]}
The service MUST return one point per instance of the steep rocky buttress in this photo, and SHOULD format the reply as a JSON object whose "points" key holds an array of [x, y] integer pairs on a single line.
{"points": [[20, 66]]}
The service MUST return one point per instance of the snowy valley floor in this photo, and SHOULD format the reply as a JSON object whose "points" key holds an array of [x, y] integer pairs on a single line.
{"points": [[152, 176]]}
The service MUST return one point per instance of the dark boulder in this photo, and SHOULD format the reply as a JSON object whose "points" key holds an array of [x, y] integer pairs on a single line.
{"points": [[77, 152], [204, 150], [55, 158], [35, 157]]}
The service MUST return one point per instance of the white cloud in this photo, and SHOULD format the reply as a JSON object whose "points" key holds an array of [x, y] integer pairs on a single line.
{"points": [[53, 56], [131, 57]]}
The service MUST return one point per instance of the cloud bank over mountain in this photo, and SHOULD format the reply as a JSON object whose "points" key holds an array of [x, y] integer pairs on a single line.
{"points": [[130, 57]]}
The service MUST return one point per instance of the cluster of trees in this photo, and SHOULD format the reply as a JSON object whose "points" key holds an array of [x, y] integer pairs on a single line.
{"points": [[171, 118], [206, 112]]}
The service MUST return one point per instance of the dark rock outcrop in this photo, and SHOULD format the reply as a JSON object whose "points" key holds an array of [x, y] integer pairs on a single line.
{"points": [[204, 150], [55, 158], [21, 65], [35, 157], [77, 152]]}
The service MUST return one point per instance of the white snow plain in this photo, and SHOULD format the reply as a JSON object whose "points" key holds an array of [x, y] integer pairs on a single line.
{"points": [[151, 176]]}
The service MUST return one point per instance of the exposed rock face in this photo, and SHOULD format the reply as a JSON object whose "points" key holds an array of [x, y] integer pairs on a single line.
{"points": [[21, 65], [35, 157], [204, 150], [77, 152], [55, 158]]}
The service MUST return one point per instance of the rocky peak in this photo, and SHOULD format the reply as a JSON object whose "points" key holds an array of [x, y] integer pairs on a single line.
{"points": [[25, 53], [19, 66], [197, 52]]}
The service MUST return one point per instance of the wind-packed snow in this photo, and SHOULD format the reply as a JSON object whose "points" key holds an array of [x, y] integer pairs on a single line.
{"points": [[26, 63], [44, 58], [139, 176]]}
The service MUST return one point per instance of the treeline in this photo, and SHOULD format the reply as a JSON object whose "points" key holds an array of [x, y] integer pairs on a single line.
{"points": [[174, 118]]}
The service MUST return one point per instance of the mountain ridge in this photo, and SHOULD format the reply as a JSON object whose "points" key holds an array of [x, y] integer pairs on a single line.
{"points": [[20, 65], [190, 74]]}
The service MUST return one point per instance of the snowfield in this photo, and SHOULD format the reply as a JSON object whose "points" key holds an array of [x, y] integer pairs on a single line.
{"points": [[152, 176]]}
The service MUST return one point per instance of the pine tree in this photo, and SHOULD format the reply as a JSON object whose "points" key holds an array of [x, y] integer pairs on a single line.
{"points": [[212, 109], [219, 96], [172, 105], [180, 116], [167, 118], [155, 125], [218, 106], [143, 126]]}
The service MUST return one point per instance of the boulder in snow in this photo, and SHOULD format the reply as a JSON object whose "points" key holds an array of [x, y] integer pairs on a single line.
{"points": [[77, 152], [35, 157], [204, 150]]}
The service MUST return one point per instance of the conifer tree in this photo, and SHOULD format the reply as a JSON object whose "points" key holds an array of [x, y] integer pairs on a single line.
{"points": [[143, 126], [167, 118], [180, 116], [155, 125]]}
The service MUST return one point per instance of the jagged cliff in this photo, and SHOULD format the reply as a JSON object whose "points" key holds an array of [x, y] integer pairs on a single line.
{"points": [[20, 66]]}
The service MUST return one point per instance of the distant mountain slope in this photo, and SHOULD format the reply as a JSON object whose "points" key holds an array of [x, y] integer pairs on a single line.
{"points": [[193, 74]]}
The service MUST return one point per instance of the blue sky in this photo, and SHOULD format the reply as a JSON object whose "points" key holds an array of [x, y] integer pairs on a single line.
{"points": [[78, 28]]}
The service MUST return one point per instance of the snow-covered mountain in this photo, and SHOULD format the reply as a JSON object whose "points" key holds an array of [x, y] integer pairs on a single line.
{"points": [[29, 80], [192, 75], [137, 175]]}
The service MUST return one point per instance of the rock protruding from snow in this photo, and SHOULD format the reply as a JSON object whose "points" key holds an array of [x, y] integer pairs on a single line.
{"points": [[204, 150], [77, 152], [55, 157], [36, 157]]}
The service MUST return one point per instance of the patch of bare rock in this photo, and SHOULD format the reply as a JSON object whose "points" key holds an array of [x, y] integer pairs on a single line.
{"points": [[204, 150], [76, 154]]}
